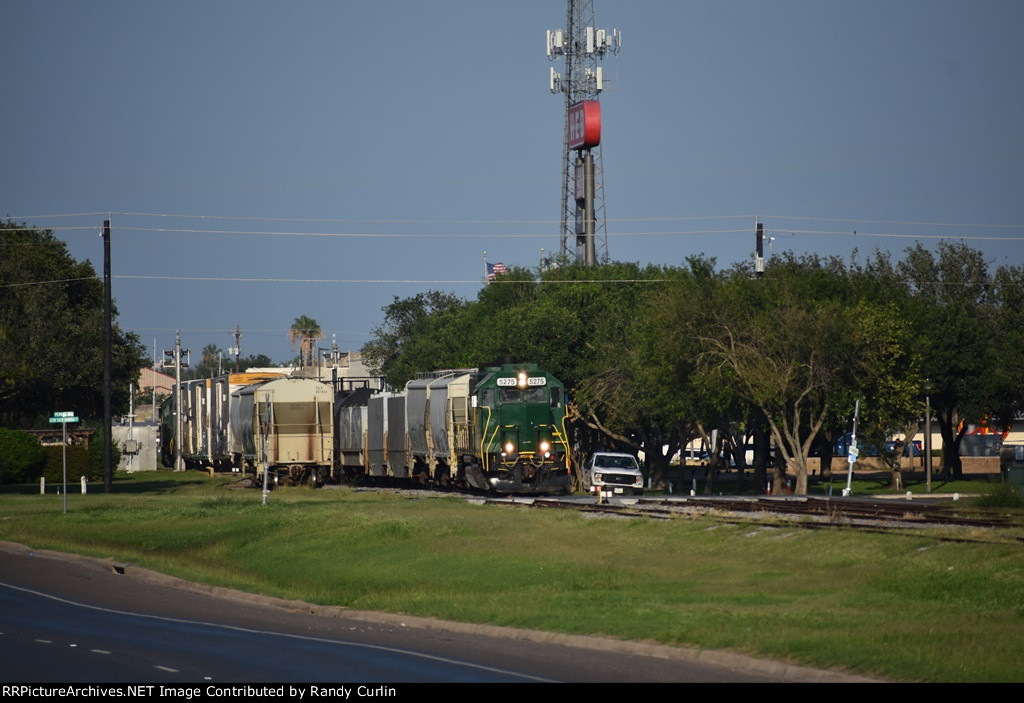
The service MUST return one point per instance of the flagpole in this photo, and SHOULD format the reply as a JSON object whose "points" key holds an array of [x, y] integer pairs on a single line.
{"points": [[487, 278]]}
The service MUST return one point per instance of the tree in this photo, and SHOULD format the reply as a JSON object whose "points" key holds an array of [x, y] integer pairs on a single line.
{"points": [[305, 331], [409, 340], [890, 382], [210, 364], [51, 333], [778, 342], [639, 387], [1008, 295], [254, 361], [955, 315]]}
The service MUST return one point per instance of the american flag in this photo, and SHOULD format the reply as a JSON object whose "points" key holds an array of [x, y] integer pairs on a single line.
{"points": [[495, 270]]}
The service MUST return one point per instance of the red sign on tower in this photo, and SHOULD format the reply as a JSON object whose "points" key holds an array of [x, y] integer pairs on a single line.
{"points": [[585, 124]]}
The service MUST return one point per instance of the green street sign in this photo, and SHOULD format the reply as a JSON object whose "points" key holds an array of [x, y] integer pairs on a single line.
{"points": [[63, 418]]}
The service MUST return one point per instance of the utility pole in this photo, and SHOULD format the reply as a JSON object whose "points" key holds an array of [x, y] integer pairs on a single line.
{"points": [[333, 356], [108, 470], [238, 346], [583, 216], [759, 250], [154, 380], [172, 357]]}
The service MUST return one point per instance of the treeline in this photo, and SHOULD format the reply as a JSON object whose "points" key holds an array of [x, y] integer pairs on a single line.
{"points": [[52, 333], [657, 356]]}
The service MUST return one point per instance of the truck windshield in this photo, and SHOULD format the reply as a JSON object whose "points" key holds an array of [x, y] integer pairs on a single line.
{"points": [[615, 462]]}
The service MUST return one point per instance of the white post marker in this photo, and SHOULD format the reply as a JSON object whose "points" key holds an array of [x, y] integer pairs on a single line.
{"points": [[266, 448]]}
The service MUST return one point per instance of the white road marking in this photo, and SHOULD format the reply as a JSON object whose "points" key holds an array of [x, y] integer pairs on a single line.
{"points": [[306, 638]]}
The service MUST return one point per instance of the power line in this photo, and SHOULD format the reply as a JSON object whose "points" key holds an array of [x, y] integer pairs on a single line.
{"points": [[414, 235], [664, 218], [893, 235], [249, 218], [364, 220], [887, 222], [475, 281], [56, 280], [491, 235]]}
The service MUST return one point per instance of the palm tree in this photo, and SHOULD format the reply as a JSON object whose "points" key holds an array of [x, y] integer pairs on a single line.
{"points": [[306, 331], [208, 366]]}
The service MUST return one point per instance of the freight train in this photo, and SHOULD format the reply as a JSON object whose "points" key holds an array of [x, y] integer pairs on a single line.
{"points": [[499, 429]]}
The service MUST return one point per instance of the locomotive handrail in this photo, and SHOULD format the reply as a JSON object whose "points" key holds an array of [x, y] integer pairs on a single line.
{"points": [[565, 443], [443, 373], [485, 441]]}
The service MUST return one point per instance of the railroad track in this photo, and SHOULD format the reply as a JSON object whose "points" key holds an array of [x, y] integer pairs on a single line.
{"points": [[805, 511]]}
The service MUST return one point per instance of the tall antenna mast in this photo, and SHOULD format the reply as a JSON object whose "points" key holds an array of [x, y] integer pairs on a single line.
{"points": [[583, 231]]}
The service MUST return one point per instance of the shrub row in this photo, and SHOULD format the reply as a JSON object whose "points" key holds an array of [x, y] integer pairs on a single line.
{"points": [[24, 460]]}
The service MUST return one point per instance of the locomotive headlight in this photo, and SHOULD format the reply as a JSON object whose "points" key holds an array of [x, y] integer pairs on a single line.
{"points": [[545, 446], [522, 379], [509, 447]]}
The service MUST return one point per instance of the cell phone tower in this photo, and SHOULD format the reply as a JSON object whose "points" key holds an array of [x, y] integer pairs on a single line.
{"points": [[583, 233]]}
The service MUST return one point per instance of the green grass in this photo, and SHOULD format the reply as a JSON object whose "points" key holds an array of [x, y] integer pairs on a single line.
{"points": [[937, 605]]}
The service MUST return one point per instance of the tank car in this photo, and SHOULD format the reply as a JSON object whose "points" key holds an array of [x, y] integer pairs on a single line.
{"points": [[500, 429]]}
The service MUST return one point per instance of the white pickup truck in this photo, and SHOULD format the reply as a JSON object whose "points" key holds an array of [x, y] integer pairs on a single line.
{"points": [[614, 473]]}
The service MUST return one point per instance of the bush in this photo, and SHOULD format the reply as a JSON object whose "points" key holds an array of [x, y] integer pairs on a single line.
{"points": [[81, 462], [96, 455], [21, 457], [79, 465]]}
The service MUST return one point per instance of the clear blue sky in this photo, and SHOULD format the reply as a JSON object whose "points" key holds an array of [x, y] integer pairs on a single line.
{"points": [[260, 120]]}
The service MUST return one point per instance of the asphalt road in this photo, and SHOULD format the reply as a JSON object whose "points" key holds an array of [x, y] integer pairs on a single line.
{"points": [[70, 619]]}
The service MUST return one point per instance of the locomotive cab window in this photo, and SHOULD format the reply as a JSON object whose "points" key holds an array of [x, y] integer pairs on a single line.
{"points": [[556, 397], [534, 395], [528, 395]]}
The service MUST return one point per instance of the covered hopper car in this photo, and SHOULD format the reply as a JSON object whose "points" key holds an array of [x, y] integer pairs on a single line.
{"points": [[206, 406], [285, 426], [246, 421]]}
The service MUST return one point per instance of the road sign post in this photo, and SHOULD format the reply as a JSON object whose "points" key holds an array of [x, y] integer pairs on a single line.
{"points": [[64, 417]]}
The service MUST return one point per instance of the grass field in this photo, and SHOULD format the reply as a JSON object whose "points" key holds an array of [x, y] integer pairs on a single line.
{"points": [[921, 605]]}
